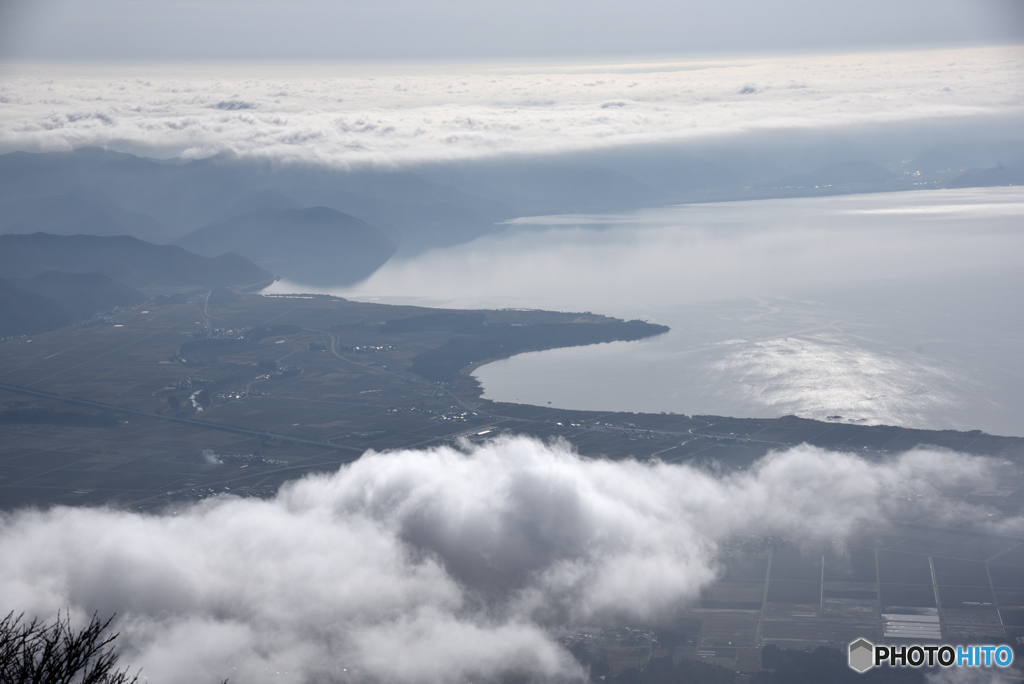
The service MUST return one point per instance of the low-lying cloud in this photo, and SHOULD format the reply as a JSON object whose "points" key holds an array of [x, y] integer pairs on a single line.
{"points": [[449, 564], [393, 115]]}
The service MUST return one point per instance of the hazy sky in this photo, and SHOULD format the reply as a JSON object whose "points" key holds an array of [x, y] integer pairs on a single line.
{"points": [[133, 30]]}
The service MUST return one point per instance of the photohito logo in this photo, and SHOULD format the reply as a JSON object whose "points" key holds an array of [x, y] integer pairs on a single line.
{"points": [[864, 655]]}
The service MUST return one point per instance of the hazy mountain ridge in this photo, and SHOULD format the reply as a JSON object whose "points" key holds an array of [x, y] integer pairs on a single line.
{"points": [[184, 195], [77, 213], [995, 176], [123, 259], [190, 194], [957, 157], [314, 245], [211, 204]]}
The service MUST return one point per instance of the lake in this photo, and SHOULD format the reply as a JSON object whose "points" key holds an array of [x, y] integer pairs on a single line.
{"points": [[895, 308]]}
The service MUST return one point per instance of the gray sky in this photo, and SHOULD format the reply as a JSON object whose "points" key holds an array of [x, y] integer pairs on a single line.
{"points": [[188, 30]]}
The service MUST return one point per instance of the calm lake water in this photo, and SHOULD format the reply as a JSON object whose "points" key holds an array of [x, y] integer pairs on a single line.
{"points": [[894, 308]]}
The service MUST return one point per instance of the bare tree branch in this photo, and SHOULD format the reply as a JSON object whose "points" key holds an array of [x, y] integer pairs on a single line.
{"points": [[36, 653]]}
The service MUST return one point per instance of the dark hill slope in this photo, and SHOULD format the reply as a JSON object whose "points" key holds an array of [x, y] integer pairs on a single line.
{"points": [[23, 312], [123, 259], [314, 246], [84, 294]]}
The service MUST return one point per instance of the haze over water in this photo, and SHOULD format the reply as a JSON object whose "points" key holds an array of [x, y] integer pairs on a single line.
{"points": [[895, 308]]}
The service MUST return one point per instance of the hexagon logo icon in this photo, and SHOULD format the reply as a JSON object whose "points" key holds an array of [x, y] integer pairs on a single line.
{"points": [[862, 655]]}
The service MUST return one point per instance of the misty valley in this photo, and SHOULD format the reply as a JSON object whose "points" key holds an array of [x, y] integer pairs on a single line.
{"points": [[660, 412]]}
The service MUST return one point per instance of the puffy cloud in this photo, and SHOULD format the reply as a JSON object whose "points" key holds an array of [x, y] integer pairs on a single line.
{"points": [[431, 566], [345, 115]]}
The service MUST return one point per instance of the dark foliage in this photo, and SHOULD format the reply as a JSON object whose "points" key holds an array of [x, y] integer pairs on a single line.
{"points": [[34, 652]]}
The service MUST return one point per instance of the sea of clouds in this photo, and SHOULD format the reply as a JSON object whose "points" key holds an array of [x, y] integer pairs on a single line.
{"points": [[449, 564], [349, 114]]}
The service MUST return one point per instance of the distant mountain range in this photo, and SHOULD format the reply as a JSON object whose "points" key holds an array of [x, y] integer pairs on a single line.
{"points": [[122, 259], [179, 196], [323, 225], [80, 231], [957, 157], [318, 245], [984, 178], [99, 191], [78, 213]]}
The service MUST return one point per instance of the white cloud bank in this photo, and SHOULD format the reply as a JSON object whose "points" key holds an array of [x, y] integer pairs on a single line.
{"points": [[391, 115], [443, 565]]}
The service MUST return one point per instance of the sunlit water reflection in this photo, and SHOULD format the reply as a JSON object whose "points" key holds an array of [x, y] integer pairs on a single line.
{"points": [[896, 308]]}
